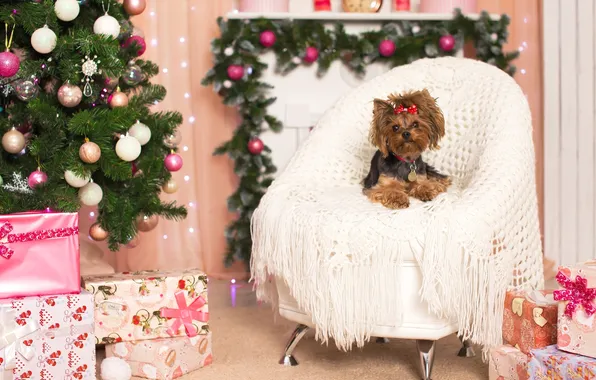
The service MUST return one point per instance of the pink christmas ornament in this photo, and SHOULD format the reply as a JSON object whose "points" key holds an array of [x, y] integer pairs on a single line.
{"points": [[255, 145], [235, 72], [140, 41], [9, 64], [267, 38], [447, 42], [37, 178], [387, 48], [311, 55], [173, 162]]}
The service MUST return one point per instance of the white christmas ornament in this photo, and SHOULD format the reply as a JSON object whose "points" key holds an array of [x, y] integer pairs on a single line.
{"points": [[229, 51], [74, 180], [107, 25], [141, 132], [90, 194], [67, 10], [43, 40], [227, 83], [128, 148], [115, 368]]}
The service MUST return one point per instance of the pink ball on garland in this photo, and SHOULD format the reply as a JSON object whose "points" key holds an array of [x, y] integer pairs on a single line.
{"points": [[311, 55], [255, 145], [235, 72], [173, 162], [37, 178], [447, 42], [140, 41], [9, 64], [267, 38], [387, 48]]}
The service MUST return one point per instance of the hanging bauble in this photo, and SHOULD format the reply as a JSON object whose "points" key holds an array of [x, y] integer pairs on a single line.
{"points": [[37, 178], [97, 233], [173, 162], [118, 99], [133, 75], [111, 83], [147, 223], [13, 141], [90, 194], [74, 180], [128, 148], [67, 10], [44, 39], [447, 42], [173, 140], [255, 145], [134, 7], [227, 83], [9, 64], [139, 41], [170, 187], [387, 48], [125, 29], [26, 89], [133, 242], [311, 54], [267, 38], [107, 25], [141, 132], [69, 95], [89, 152], [235, 72], [136, 31]]}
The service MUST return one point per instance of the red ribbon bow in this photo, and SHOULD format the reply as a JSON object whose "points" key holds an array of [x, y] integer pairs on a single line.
{"points": [[576, 293], [185, 314], [401, 109], [7, 237]]}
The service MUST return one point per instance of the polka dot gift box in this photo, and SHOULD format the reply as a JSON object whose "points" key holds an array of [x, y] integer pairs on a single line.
{"points": [[135, 306]]}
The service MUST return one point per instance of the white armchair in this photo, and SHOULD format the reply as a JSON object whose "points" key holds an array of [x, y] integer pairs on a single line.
{"points": [[352, 270]]}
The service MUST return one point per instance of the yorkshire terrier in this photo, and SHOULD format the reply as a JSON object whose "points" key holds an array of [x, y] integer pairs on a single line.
{"points": [[404, 126]]}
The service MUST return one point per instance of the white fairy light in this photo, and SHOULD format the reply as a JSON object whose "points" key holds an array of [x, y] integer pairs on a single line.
{"points": [[165, 70], [191, 230], [523, 71], [165, 236], [186, 95], [154, 42], [184, 64], [92, 214], [185, 148], [182, 39], [187, 178], [191, 119]]}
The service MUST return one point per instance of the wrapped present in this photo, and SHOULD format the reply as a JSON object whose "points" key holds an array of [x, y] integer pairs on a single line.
{"points": [[148, 305], [49, 337], [167, 358], [507, 363], [577, 318], [549, 363], [530, 319], [30, 241]]}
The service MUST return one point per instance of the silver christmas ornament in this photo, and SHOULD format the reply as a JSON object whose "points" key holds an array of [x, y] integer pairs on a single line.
{"points": [[26, 89], [133, 75]]}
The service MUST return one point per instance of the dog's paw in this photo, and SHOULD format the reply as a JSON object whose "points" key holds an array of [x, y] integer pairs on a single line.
{"points": [[427, 190], [396, 200]]}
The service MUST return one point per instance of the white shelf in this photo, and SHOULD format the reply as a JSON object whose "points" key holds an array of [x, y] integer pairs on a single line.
{"points": [[347, 16]]}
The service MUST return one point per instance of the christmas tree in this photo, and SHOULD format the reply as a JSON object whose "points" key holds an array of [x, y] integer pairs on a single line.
{"points": [[75, 117]]}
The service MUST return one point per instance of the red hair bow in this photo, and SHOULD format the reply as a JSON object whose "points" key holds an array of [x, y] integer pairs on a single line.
{"points": [[401, 109]]}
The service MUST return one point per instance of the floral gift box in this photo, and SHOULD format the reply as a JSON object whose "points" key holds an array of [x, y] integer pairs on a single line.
{"points": [[135, 306], [549, 363]]}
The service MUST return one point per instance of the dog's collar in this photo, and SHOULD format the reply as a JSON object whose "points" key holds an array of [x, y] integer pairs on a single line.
{"points": [[403, 159]]}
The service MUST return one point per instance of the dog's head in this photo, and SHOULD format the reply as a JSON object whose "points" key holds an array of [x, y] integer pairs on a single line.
{"points": [[406, 125]]}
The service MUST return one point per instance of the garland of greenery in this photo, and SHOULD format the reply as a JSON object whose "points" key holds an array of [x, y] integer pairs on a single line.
{"points": [[238, 70]]}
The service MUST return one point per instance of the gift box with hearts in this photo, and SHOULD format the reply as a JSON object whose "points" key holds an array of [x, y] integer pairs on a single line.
{"points": [[577, 310], [530, 319], [507, 363], [49, 337], [549, 363]]}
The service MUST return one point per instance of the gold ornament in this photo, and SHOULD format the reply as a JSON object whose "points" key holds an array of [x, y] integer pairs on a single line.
{"points": [[69, 95], [147, 223], [170, 187], [13, 141], [97, 233], [89, 152], [119, 99]]}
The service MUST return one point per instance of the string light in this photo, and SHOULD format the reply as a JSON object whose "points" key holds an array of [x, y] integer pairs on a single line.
{"points": [[191, 119], [187, 178], [191, 204], [152, 13], [233, 281], [186, 95], [165, 236], [185, 148], [182, 39], [154, 42], [184, 64], [165, 70], [92, 214], [191, 230]]}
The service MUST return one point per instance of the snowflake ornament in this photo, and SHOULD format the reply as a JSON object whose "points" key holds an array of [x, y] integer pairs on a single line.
{"points": [[89, 68], [18, 184]]}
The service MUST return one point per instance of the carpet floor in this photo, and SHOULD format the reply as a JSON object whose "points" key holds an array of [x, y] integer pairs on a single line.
{"points": [[248, 342]]}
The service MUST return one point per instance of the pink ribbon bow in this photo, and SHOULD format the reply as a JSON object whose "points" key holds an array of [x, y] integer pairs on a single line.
{"points": [[185, 314], [7, 237], [401, 109], [576, 293]]}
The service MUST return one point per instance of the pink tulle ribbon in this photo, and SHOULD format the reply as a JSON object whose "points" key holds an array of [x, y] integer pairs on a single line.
{"points": [[185, 314], [576, 293], [7, 237]]}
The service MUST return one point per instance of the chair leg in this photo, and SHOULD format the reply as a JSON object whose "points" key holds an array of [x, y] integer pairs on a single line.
{"points": [[382, 340], [426, 352], [467, 351], [288, 359]]}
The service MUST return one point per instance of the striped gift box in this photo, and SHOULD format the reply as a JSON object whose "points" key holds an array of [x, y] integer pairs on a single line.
{"points": [[264, 5], [447, 6]]}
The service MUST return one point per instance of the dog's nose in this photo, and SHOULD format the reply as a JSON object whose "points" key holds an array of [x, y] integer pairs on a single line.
{"points": [[406, 135]]}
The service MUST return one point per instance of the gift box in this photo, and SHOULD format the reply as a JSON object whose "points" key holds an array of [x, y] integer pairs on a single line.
{"points": [[549, 363], [577, 312], [48, 337], [31, 241], [530, 319], [507, 363], [148, 305], [167, 358]]}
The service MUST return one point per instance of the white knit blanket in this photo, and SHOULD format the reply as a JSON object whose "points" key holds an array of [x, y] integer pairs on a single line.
{"points": [[339, 253]]}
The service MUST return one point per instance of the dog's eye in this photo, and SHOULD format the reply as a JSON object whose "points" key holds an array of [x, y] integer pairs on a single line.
{"points": [[415, 124], [395, 128]]}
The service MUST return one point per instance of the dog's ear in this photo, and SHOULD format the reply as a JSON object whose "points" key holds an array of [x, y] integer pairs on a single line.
{"points": [[430, 111], [381, 110]]}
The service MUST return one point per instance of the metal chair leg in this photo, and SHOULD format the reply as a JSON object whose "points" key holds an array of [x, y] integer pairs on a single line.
{"points": [[426, 352], [288, 359], [467, 351], [382, 340]]}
